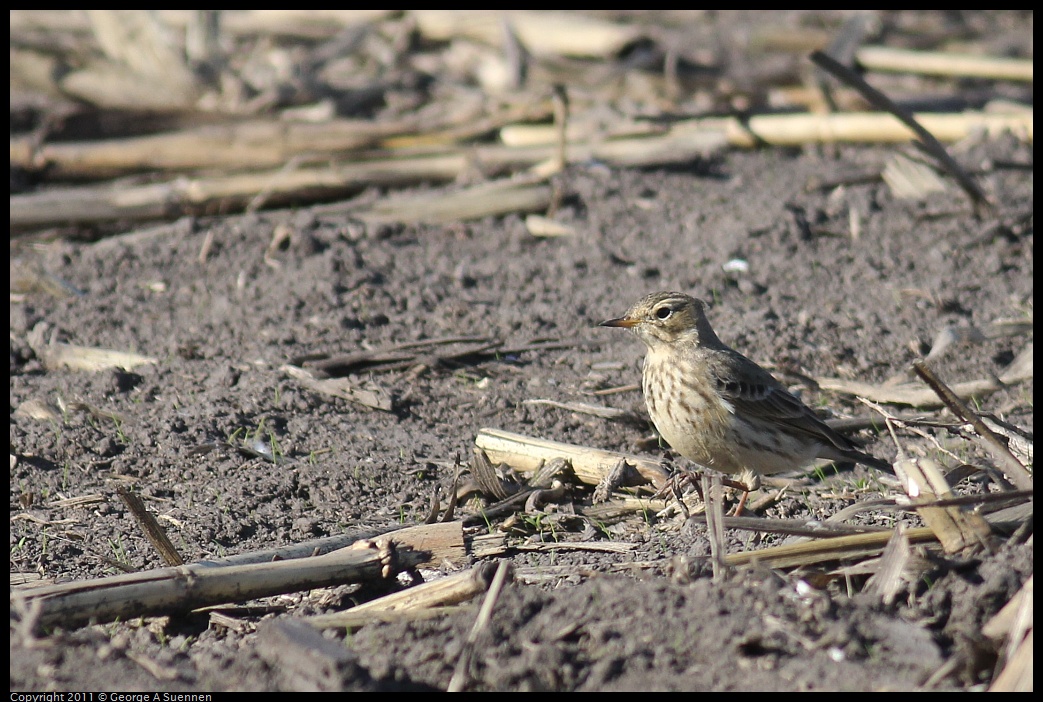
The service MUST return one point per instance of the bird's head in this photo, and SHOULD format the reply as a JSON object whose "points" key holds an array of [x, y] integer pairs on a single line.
{"points": [[667, 318]]}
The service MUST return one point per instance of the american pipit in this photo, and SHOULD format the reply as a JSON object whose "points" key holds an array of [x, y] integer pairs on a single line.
{"points": [[718, 408]]}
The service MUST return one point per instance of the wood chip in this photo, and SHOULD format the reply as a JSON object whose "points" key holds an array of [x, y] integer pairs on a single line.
{"points": [[955, 527], [936, 63], [545, 227], [412, 603], [835, 549], [184, 588], [56, 355], [344, 388], [527, 454]]}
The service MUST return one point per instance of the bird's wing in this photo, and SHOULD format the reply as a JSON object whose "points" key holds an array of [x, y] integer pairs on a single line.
{"points": [[755, 394]]}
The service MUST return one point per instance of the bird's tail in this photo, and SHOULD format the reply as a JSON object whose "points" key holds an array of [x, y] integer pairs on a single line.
{"points": [[865, 459]]}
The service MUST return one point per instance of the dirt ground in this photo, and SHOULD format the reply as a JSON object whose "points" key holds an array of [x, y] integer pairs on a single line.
{"points": [[811, 299]]}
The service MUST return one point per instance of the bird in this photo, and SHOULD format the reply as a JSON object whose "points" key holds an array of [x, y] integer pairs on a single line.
{"points": [[718, 408]]}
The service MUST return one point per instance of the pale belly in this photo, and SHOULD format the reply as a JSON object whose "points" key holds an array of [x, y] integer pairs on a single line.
{"points": [[703, 428]]}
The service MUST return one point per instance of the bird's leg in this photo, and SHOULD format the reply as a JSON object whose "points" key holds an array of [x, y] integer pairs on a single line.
{"points": [[748, 482], [675, 488], [742, 500]]}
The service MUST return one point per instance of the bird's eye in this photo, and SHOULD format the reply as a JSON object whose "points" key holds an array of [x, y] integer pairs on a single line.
{"points": [[663, 312]]}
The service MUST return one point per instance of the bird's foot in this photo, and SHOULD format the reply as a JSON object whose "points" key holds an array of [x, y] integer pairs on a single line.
{"points": [[676, 484]]}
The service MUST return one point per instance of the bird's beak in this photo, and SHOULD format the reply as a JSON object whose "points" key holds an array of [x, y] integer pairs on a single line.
{"points": [[625, 322]]}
